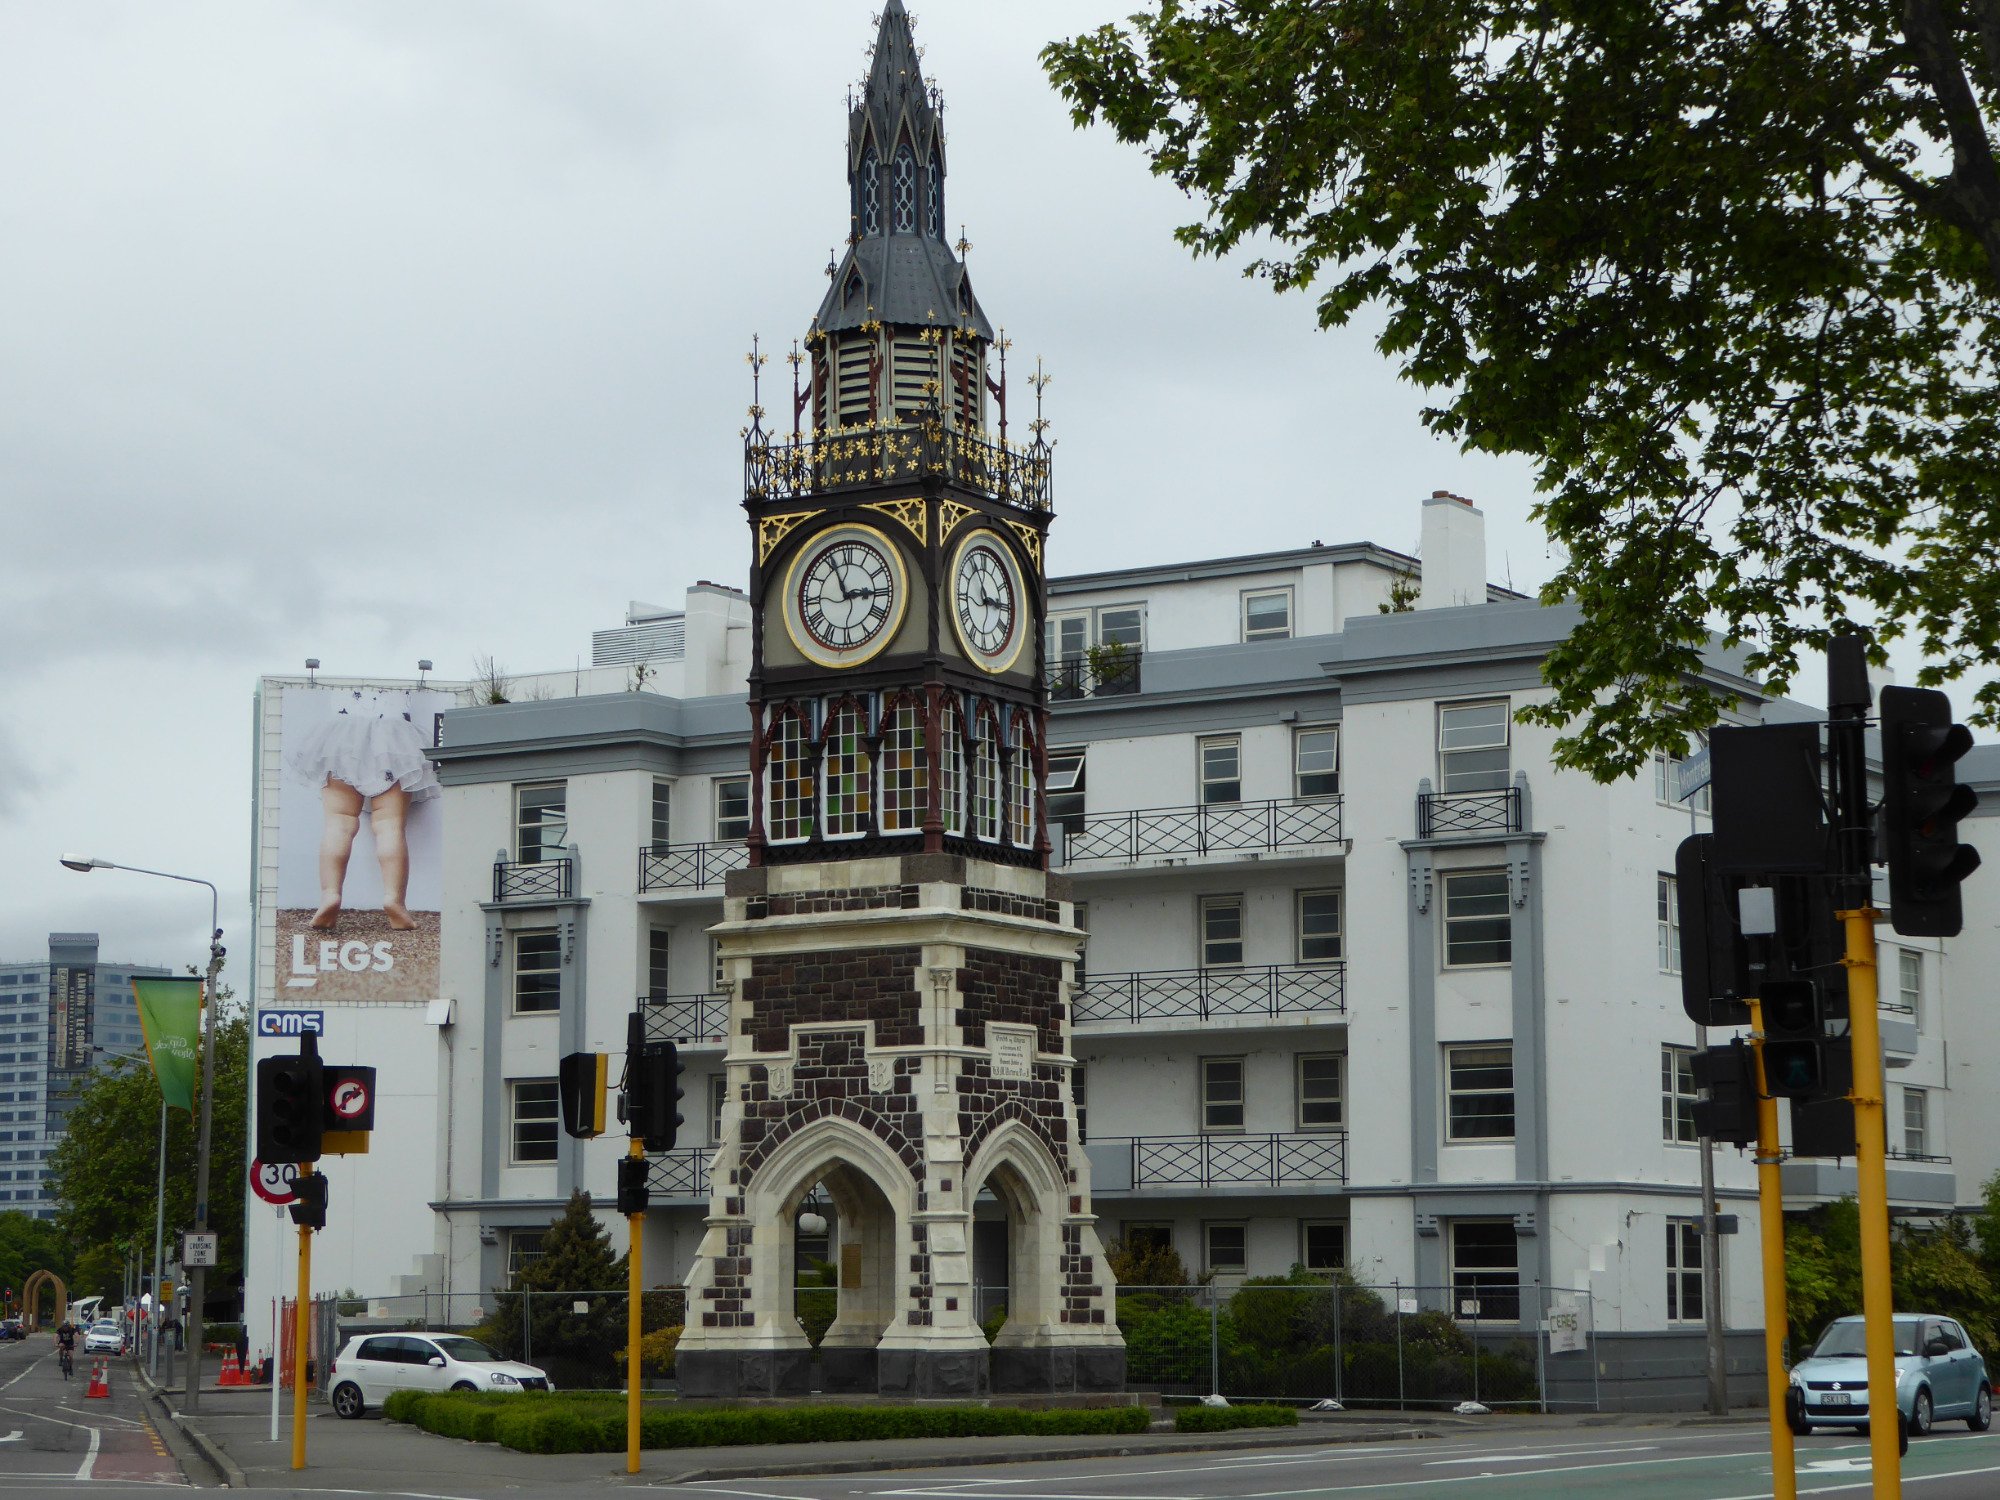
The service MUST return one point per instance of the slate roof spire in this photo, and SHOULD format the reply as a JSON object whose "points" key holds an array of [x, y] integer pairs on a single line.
{"points": [[899, 268]]}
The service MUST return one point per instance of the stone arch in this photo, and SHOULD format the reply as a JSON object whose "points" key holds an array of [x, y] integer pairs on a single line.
{"points": [[31, 1291], [1017, 1164]]}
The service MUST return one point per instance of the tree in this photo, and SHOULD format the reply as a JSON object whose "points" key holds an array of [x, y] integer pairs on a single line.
{"points": [[1726, 271], [578, 1348], [103, 1174], [28, 1245]]}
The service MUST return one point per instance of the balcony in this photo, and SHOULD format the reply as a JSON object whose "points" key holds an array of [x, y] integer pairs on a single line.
{"points": [[1450, 815], [1216, 828], [1270, 991], [533, 880], [1152, 1162], [889, 453], [680, 1173], [686, 867], [687, 1019], [1110, 674]]}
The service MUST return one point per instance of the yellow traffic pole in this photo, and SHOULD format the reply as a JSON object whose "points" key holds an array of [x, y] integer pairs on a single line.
{"points": [[1771, 1231], [1871, 1169], [301, 1330], [633, 1323]]}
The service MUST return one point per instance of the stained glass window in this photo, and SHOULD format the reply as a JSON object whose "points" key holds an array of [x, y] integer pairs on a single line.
{"points": [[849, 773], [951, 766], [1021, 786], [905, 779], [986, 778], [791, 788], [903, 192]]}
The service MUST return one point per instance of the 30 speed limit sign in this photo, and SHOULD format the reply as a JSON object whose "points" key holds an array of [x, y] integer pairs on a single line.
{"points": [[272, 1181]]}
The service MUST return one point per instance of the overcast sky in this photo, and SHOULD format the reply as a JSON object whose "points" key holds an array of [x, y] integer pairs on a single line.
{"points": [[378, 331]]}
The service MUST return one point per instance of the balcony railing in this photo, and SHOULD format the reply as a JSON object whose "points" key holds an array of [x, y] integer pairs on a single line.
{"points": [[905, 451], [680, 1173], [1216, 828], [1199, 1161], [533, 880], [1445, 815], [1111, 675], [685, 1018], [664, 867], [1271, 990]]}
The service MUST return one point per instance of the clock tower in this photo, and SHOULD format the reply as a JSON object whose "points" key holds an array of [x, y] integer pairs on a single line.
{"points": [[898, 956]]}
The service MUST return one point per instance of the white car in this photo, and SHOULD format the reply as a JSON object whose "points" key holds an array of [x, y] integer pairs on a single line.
{"points": [[104, 1337], [372, 1365]]}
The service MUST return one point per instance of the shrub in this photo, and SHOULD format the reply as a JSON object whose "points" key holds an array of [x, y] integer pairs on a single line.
{"points": [[995, 1321], [1225, 1418], [1165, 1343], [656, 1351]]}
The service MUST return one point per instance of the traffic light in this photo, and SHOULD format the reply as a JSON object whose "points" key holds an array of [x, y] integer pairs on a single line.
{"points": [[632, 1194], [308, 1209], [582, 1078], [1727, 1108], [1715, 961], [289, 1094], [652, 1088], [1795, 1041], [1922, 803]]}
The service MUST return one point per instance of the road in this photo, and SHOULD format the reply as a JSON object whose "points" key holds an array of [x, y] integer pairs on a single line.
{"points": [[1634, 1463], [56, 1440]]}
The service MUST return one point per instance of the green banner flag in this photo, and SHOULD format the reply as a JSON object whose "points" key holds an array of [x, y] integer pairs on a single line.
{"points": [[170, 1013]]}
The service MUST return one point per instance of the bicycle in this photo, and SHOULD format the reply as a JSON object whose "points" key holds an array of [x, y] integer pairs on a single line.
{"points": [[68, 1360]]}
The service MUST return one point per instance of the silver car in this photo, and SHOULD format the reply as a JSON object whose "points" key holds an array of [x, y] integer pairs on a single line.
{"points": [[1939, 1376]]}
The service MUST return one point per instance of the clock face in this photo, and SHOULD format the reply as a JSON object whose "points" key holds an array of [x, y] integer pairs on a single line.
{"points": [[844, 596], [986, 601]]}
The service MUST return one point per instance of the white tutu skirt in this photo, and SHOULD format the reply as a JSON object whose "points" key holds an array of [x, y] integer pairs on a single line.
{"points": [[370, 752]]}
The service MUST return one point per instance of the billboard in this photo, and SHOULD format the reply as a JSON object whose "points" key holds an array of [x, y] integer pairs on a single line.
{"points": [[360, 855]]}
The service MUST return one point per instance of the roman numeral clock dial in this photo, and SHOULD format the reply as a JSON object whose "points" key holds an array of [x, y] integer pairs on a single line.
{"points": [[845, 594], [986, 601]]}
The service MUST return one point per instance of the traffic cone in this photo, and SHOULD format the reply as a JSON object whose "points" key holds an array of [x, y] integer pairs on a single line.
{"points": [[232, 1372], [100, 1383]]}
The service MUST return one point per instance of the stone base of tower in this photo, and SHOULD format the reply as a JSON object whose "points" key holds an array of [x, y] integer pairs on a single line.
{"points": [[900, 1042]]}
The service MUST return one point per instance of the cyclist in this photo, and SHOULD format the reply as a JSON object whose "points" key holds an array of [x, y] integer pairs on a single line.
{"points": [[66, 1346]]}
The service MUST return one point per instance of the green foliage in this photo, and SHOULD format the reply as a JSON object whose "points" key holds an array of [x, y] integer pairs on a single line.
{"points": [[1228, 1418], [1726, 275], [103, 1173], [656, 1351], [1166, 1341], [995, 1321], [28, 1245], [592, 1423], [1944, 1270], [818, 1303]]}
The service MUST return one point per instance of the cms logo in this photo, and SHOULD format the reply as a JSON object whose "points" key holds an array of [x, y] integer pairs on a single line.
{"points": [[291, 1022]]}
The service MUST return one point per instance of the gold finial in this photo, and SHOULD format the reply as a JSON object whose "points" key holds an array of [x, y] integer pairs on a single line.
{"points": [[963, 244]]}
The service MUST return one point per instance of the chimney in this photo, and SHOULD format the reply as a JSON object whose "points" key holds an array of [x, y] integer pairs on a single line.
{"points": [[1453, 552]]}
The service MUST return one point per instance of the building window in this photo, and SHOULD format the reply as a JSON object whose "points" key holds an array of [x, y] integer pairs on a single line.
{"points": [[1224, 1248], [1485, 1271], [1677, 1096], [1221, 1093], [718, 1094], [1150, 1235], [1082, 921], [1323, 1245], [1472, 747], [903, 193], [715, 974], [1124, 625], [1221, 931], [1667, 905], [524, 1248], [732, 808], [1479, 1093], [1910, 983], [1079, 1093], [849, 774], [1667, 771], [1916, 1122], [1684, 1271], [1221, 769], [905, 776], [790, 800], [536, 1115], [1319, 927], [1316, 762], [541, 822], [1021, 786], [871, 192], [1477, 929], [1267, 615], [659, 974], [1065, 785], [663, 811], [934, 199], [537, 971], [1320, 1092], [951, 767], [986, 779]]}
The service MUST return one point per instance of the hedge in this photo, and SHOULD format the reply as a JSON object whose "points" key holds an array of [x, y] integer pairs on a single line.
{"points": [[590, 1423], [1224, 1418]]}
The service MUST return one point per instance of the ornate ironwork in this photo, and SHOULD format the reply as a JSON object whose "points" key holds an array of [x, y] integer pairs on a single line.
{"points": [[664, 867], [1444, 815], [1216, 828], [1114, 674], [1276, 1160], [1203, 994], [685, 1018], [888, 453], [681, 1173], [536, 880]]}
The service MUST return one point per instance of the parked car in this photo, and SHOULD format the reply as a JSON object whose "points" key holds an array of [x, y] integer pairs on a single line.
{"points": [[370, 1366], [1939, 1376], [13, 1328], [104, 1337]]}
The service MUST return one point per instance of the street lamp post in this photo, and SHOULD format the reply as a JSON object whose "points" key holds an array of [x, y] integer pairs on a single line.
{"points": [[198, 1275]]}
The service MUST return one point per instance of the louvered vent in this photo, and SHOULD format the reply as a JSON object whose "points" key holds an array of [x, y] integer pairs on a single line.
{"points": [[915, 365], [853, 366]]}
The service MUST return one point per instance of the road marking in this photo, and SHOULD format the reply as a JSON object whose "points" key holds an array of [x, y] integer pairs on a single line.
{"points": [[90, 1458], [26, 1373], [1521, 1458], [1390, 1484], [1834, 1489]]}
